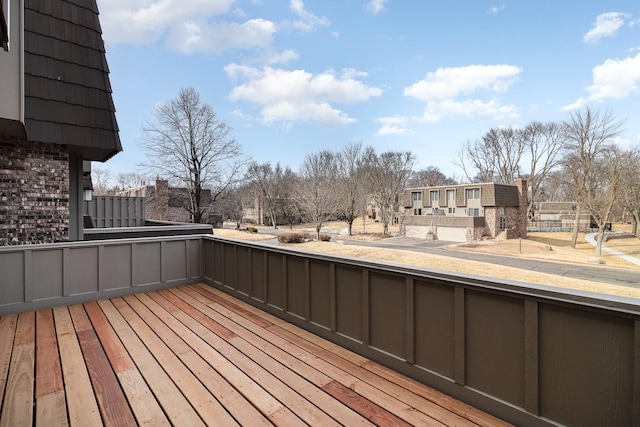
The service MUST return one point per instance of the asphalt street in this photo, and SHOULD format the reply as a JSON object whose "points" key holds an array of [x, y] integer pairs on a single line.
{"points": [[603, 274]]}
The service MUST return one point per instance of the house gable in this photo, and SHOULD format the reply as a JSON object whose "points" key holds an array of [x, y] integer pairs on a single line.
{"points": [[67, 91]]}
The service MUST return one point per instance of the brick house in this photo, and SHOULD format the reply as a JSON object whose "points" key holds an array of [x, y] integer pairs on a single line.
{"points": [[466, 212], [56, 115], [164, 203]]}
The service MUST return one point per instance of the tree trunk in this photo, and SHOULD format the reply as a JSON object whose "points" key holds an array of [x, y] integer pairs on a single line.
{"points": [[350, 224], [636, 220], [576, 228], [599, 240]]}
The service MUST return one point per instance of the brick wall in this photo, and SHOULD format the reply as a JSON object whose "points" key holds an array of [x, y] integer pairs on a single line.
{"points": [[34, 192]]}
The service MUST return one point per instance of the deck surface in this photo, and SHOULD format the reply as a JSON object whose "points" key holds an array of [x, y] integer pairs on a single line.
{"points": [[193, 356]]}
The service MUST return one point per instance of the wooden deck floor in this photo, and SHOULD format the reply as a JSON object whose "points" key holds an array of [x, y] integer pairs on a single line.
{"points": [[194, 356]]}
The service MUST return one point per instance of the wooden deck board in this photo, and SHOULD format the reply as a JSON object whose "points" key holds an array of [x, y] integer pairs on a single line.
{"points": [[169, 397], [18, 399], [7, 334], [81, 402], [195, 356]]}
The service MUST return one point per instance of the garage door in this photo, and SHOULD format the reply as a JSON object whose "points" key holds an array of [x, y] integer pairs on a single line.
{"points": [[416, 231], [452, 234]]}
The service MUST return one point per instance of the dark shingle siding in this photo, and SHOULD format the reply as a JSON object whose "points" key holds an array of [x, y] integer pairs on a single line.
{"points": [[67, 91], [506, 195]]}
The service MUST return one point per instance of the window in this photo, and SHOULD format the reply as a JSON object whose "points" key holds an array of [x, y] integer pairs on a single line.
{"points": [[502, 223], [473, 212], [451, 195], [452, 210], [501, 211], [417, 211], [473, 193], [416, 196], [434, 196]]}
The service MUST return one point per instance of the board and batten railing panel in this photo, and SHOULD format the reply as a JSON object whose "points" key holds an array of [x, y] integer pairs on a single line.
{"points": [[35, 276], [530, 354], [116, 211]]}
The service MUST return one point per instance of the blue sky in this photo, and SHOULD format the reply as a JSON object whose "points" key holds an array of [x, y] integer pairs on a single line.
{"points": [[294, 77]]}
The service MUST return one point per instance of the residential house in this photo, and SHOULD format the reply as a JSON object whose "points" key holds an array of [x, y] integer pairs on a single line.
{"points": [[56, 115], [164, 203], [559, 216], [466, 212]]}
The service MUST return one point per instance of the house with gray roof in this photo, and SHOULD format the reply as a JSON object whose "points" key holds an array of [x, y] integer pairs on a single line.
{"points": [[56, 115], [466, 212]]}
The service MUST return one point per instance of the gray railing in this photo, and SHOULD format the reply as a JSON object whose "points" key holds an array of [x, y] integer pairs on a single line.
{"points": [[116, 211], [532, 355], [36, 276]]}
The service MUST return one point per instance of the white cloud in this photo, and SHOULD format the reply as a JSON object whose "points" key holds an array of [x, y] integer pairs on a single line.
{"points": [[187, 26], [394, 126], [146, 21], [606, 25], [295, 95], [200, 36], [615, 78], [308, 21], [496, 9], [454, 91], [375, 6]]}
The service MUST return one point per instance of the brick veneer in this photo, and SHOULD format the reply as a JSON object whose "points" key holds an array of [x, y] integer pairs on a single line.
{"points": [[34, 192]]}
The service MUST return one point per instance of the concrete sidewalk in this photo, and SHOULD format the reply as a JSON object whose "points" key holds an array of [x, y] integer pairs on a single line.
{"points": [[591, 239]]}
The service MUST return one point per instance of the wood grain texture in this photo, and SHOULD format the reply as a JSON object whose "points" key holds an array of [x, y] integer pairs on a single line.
{"points": [[7, 333], [17, 408], [194, 356], [81, 401]]}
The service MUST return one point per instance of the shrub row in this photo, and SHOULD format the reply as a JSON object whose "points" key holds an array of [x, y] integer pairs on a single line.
{"points": [[298, 237], [301, 237]]}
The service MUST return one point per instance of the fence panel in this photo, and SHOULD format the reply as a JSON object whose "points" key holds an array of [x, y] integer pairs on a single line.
{"points": [[115, 211], [530, 354]]}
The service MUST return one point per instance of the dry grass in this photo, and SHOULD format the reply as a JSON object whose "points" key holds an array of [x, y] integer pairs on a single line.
{"points": [[444, 263], [241, 235], [532, 248]]}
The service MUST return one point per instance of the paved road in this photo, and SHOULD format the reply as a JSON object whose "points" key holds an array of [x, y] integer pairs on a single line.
{"points": [[603, 274], [617, 276]]}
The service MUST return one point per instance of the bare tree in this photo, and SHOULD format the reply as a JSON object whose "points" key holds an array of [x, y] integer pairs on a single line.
{"points": [[387, 176], [351, 181], [262, 179], [545, 142], [102, 181], [589, 135], [132, 179], [230, 204], [430, 177], [630, 186], [495, 157], [600, 199], [285, 184], [476, 162], [188, 144], [316, 193], [506, 145]]}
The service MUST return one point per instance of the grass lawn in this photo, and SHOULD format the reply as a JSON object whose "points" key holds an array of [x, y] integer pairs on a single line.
{"points": [[534, 247]]}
